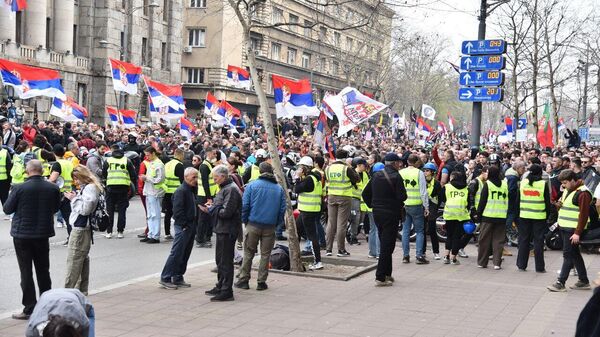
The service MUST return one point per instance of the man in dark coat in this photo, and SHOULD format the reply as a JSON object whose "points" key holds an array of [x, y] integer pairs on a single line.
{"points": [[33, 204]]}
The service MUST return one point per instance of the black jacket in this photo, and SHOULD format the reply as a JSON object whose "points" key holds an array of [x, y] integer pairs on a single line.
{"points": [[185, 209], [385, 195], [34, 204], [228, 201]]}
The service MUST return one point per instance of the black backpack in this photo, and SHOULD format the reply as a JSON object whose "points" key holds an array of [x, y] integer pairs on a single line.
{"points": [[99, 217], [280, 258]]}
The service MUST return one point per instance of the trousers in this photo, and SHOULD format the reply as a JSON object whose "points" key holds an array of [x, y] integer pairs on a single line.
{"points": [[224, 250], [78, 260], [387, 228], [310, 220], [167, 206], [36, 252], [117, 201], [531, 230], [491, 237], [338, 209], [571, 258], [253, 236], [176, 264]]}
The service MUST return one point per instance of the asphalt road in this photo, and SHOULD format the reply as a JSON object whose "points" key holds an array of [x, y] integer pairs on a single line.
{"points": [[112, 261]]}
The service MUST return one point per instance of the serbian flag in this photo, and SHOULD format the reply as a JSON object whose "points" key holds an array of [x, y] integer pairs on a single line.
{"points": [[238, 77], [451, 122], [227, 114], [164, 112], [561, 124], [68, 110], [353, 108], [293, 98], [165, 94], [321, 130], [422, 129], [441, 127], [325, 108], [16, 5], [125, 76], [127, 117], [330, 147], [186, 128], [30, 81], [211, 105], [508, 123], [113, 113]]}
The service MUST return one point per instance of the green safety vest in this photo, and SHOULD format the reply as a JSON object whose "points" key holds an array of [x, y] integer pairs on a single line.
{"points": [[311, 201], [17, 173], [356, 192], [430, 186], [337, 180], [117, 172], [46, 167], [3, 157], [410, 176], [254, 173], [478, 194], [152, 173], [568, 215], [457, 201], [532, 201], [324, 190], [171, 180], [361, 186], [497, 202], [66, 171], [212, 187]]}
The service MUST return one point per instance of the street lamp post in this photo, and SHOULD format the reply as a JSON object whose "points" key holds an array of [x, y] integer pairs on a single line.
{"points": [[585, 81]]}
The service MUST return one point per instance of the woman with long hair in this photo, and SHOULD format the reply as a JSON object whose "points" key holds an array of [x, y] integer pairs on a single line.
{"points": [[83, 204]]}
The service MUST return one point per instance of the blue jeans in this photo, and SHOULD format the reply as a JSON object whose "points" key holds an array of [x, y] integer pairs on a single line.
{"points": [[373, 236], [415, 216], [176, 264], [153, 216], [92, 318], [320, 233]]}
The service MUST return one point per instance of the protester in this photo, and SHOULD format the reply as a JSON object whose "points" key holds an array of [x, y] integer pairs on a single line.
{"points": [[119, 173], [153, 191], [417, 209], [455, 196], [174, 175]]}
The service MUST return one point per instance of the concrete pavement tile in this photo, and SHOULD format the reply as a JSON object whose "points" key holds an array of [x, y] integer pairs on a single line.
{"points": [[309, 333]]}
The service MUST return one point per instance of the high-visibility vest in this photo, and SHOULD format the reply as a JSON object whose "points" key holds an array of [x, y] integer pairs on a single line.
{"points": [[532, 201], [171, 180], [457, 201], [430, 186], [3, 171], [357, 191], [254, 173], [17, 173], [478, 194], [66, 171], [154, 165], [322, 182], [311, 201], [337, 180], [117, 174], [410, 176], [212, 187], [361, 186], [568, 214], [497, 202]]}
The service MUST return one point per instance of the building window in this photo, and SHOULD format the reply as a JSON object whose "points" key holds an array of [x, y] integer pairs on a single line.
{"points": [[322, 64], [291, 56], [197, 37], [195, 75], [145, 8], [165, 10], [270, 84], [18, 27], [164, 54], [293, 23], [337, 37], [198, 3], [82, 94], [144, 105], [306, 60], [253, 11], [144, 51], [323, 34], [307, 28], [122, 46], [335, 67], [75, 37], [349, 43], [277, 15], [48, 31], [255, 44], [276, 51]]}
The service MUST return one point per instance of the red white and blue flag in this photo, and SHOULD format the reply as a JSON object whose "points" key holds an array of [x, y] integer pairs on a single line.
{"points": [[127, 117], [16, 5], [451, 122], [422, 129], [352, 108], [561, 124], [441, 127], [113, 113], [321, 131], [186, 128], [125, 76], [325, 108], [228, 114], [165, 112], [293, 98], [68, 110], [165, 94], [238, 77], [211, 105], [30, 81]]}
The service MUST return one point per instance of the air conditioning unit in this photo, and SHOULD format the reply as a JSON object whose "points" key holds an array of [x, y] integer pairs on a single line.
{"points": [[257, 53], [187, 49]]}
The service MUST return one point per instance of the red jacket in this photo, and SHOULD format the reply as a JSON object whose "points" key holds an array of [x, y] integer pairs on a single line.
{"points": [[29, 134]]}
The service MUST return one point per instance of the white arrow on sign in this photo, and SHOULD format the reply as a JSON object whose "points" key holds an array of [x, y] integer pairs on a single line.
{"points": [[467, 94], [469, 45], [467, 78], [468, 63]]}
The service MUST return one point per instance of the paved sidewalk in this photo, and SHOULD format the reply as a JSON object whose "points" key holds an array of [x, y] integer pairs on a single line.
{"points": [[426, 300]]}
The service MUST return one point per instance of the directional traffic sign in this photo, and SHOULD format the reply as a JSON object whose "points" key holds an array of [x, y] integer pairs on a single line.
{"points": [[488, 62], [481, 78], [482, 47], [480, 94]]}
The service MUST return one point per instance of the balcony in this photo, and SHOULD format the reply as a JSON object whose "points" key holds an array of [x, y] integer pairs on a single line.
{"points": [[45, 58]]}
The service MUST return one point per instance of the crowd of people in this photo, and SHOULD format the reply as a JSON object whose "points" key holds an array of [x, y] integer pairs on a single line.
{"points": [[222, 182]]}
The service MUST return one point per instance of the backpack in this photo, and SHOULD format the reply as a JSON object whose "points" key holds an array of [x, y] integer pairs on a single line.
{"points": [[280, 258], [27, 156], [99, 217]]}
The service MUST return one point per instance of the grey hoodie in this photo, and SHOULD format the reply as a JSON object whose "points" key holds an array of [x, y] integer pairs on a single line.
{"points": [[69, 304]]}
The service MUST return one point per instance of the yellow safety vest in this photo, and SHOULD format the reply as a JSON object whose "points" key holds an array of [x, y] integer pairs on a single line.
{"points": [[478, 194], [311, 201], [457, 201], [117, 172], [171, 180], [430, 186], [337, 181], [497, 202], [66, 171], [568, 215], [532, 204], [152, 173], [322, 173], [212, 187], [3, 171], [17, 172], [361, 186], [410, 176], [254, 173]]}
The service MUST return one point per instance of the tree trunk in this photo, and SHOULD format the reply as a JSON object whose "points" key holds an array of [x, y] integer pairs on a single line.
{"points": [[551, 73], [535, 70], [598, 95]]}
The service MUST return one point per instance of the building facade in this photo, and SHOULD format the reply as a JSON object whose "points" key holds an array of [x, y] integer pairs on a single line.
{"points": [[333, 46], [76, 37]]}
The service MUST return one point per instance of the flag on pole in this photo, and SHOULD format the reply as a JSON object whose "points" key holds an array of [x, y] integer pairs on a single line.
{"points": [[211, 105], [68, 110], [293, 98], [113, 113], [561, 124], [127, 117], [165, 94], [326, 108], [353, 108], [545, 136], [30, 81], [186, 128], [422, 129], [380, 119], [15, 5], [321, 130], [451, 122], [413, 115], [428, 112], [402, 122], [125, 76], [227, 114], [454, 66], [508, 126], [238, 77], [164, 112], [441, 127]]}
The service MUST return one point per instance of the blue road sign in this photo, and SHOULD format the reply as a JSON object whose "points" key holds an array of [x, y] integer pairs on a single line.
{"points": [[522, 124], [492, 94], [483, 47], [584, 134], [487, 62], [481, 78]]}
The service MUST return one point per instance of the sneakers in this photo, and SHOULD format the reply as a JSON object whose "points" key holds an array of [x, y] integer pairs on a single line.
{"points": [[580, 285], [214, 291], [455, 262], [315, 266], [343, 253], [108, 235], [59, 224], [145, 239], [406, 259], [446, 259], [21, 316], [141, 236], [557, 287], [328, 253], [372, 256], [354, 241], [168, 237], [120, 235], [152, 241], [206, 244], [422, 260], [167, 285], [385, 283], [436, 256], [497, 267], [390, 278], [261, 286], [242, 285], [182, 284], [222, 297], [239, 246], [461, 253]]}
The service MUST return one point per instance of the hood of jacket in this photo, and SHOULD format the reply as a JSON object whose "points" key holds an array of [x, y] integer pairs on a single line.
{"points": [[458, 184], [268, 176], [118, 154]]}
